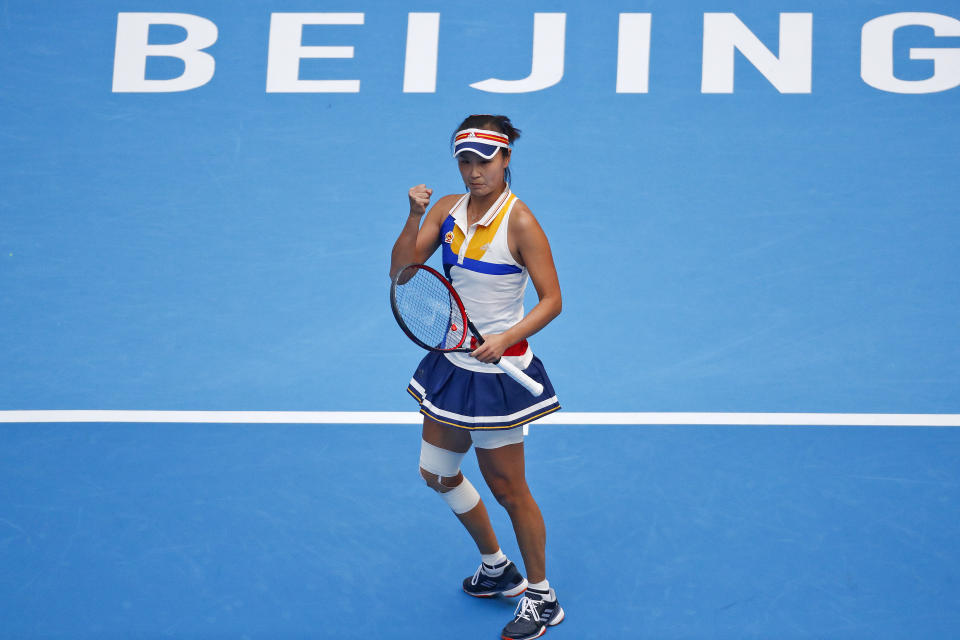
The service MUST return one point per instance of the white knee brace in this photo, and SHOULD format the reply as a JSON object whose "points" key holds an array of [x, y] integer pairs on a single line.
{"points": [[461, 498], [441, 462], [446, 464]]}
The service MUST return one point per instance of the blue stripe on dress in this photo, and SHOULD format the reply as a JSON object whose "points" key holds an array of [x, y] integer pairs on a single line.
{"points": [[451, 259], [488, 268]]}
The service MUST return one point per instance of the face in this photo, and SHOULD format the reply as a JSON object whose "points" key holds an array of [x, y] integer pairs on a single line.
{"points": [[483, 177]]}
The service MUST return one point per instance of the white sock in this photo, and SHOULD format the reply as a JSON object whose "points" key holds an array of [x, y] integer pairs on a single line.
{"points": [[542, 588], [492, 562]]}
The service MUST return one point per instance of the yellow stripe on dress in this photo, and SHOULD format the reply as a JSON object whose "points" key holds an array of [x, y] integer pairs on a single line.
{"points": [[457, 240], [482, 238]]}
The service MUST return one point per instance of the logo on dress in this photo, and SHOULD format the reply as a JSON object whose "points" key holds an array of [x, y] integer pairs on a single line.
{"points": [[448, 238]]}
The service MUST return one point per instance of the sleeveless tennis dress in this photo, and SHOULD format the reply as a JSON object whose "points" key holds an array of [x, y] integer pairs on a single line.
{"points": [[454, 388]]}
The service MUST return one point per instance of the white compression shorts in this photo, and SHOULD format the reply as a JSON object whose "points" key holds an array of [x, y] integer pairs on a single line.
{"points": [[496, 438]]}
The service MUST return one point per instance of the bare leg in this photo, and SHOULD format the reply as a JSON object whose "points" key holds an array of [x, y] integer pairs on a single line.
{"points": [[505, 474]]}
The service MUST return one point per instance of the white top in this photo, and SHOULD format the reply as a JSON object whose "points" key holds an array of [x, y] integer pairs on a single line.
{"points": [[490, 282]]}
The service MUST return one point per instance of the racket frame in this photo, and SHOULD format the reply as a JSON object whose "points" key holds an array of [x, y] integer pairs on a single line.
{"points": [[453, 294], [506, 366]]}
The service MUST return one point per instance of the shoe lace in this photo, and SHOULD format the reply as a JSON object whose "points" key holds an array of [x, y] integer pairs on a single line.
{"points": [[527, 608], [476, 577]]}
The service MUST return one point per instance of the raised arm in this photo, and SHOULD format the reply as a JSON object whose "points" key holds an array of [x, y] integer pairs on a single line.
{"points": [[416, 242]]}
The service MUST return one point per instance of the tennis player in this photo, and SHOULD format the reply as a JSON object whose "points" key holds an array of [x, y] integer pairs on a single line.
{"points": [[491, 245]]}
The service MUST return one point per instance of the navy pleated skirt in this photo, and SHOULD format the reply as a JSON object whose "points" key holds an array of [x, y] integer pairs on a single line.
{"points": [[471, 400]]}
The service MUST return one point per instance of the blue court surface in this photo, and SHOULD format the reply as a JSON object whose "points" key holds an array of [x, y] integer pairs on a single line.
{"points": [[753, 211]]}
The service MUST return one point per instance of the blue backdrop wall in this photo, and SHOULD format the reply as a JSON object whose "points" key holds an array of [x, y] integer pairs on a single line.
{"points": [[226, 247]]}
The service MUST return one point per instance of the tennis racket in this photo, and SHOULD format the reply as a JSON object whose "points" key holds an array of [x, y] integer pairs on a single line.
{"points": [[430, 312]]}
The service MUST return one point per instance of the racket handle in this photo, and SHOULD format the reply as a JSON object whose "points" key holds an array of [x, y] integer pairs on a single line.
{"points": [[509, 368], [514, 372]]}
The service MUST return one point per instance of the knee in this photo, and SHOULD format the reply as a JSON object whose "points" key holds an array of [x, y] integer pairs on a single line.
{"points": [[441, 484], [456, 491], [440, 469], [510, 494]]}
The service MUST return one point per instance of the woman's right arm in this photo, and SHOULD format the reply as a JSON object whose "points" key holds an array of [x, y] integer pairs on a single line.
{"points": [[417, 242]]}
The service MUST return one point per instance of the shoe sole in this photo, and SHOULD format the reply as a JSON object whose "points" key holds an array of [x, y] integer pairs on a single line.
{"points": [[509, 593]]}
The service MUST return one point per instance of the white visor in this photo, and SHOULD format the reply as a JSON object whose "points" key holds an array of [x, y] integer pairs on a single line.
{"points": [[482, 142]]}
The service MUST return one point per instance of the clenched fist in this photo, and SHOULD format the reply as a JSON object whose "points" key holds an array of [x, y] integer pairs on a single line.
{"points": [[419, 199]]}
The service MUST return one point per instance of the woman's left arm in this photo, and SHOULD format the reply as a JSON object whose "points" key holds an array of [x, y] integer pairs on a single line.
{"points": [[530, 247]]}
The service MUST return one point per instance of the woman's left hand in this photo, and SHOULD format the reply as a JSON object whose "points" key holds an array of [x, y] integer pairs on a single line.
{"points": [[492, 348]]}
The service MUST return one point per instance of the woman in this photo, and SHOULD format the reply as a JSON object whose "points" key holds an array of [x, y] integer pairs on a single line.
{"points": [[492, 245]]}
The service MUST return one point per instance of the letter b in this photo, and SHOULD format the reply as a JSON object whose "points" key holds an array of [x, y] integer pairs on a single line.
{"points": [[133, 49]]}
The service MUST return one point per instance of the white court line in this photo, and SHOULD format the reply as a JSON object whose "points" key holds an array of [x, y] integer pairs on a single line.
{"points": [[561, 418]]}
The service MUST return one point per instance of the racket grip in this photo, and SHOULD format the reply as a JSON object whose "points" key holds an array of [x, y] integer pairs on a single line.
{"points": [[514, 372]]}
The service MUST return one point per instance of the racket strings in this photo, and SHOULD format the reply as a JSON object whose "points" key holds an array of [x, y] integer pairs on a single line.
{"points": [[427, 308]]}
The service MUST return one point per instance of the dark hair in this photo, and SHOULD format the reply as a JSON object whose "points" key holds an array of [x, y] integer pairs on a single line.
{"points": [[500, 124]]}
